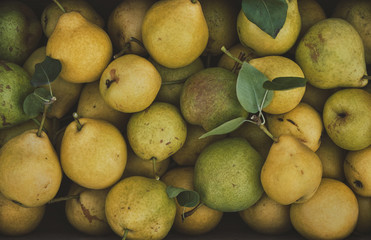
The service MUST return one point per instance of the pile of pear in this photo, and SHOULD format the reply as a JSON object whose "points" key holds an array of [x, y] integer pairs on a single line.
{"points": [[142, 80]]}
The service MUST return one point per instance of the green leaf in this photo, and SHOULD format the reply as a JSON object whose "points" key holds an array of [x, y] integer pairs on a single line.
{"points": [[250, 91], [225, 128], [46, 71], [34, 103], [285, 83], [185, 198], [268, 15]]}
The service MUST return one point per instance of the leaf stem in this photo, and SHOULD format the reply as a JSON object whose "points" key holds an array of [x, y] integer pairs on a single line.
{"points": [[60, 6], [46, 107], [265, 130], [61, 199], [126, 231], [76, 118], [229, 54], [154, 160]]}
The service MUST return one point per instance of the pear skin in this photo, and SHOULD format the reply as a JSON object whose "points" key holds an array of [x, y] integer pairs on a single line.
{"points": [[364, 217]]}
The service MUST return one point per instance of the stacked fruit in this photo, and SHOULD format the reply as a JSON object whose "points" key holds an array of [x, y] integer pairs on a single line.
{"points": [[166, 114]]}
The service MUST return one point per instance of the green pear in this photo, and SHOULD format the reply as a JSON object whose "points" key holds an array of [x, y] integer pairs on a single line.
{"points": [[331, 213], [140, 207], [209, 98], [331, 54], [15, 85], [227, 175], [292, 172], [20, 31], [346, 118], [364, 217], [316, 97], [30, 172]]}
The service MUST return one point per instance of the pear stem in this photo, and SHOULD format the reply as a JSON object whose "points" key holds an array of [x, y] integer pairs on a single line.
{"points": [[173, 82], [194, 1], [59, 5], [133, 39], [366, 77], [265, 130], [229, 54], [46, 107], [154, 168], [123, 50], [126, 231], [190, 212], [76, 117], [61, 199]]}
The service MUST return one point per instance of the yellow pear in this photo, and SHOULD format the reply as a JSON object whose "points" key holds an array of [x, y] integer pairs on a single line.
{"points": [[263, 44], [16, 220], [279, 66], [331, 213], [267, 216], [93, 153], [175, 32], [364, 216], [239, 51], [130, 83], [83, 48], [292, 172], [30, 172], [204, 219]]}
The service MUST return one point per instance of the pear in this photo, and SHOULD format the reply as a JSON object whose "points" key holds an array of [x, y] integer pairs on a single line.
{"points": [[357, 171], [226, 175], [83, 48], [87, 212], [263, 44], [15, 85], [175, 32], [346, 118], [364, 216], [238, 51], [331, 54], [129, 83], [16, 220], [67, 93], [331, 213], [279, 66], [303, 122], [20, 31], [30, 172], [51, 13], [209, 99], [140, 207], [125, 22], [204, 219], [292, 172], [267, 216], [316, 97], [93, 153], [157, 132]]}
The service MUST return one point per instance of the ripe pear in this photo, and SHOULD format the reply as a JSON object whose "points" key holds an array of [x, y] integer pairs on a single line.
{"points": [[30, 172], [303, 122], [93, 153], [357, 13], [221, 19], [16, 220], [157, 132], [141, 207], [92, 105], [346, 118], [331, 54], [20, 31], [263, 44], [67, 93], [364, 216], [316, 97], [238, 51], [209, 98], [83, 48], [15, 85], [51, 13], [125, 22], [227, 175], [292, 172], [175, 32], [357, 171], [279, 66], [129, 83], [267, 216], [87, 212], [204, 219], [331, 213]]}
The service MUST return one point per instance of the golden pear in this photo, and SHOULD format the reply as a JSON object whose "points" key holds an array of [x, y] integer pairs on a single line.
{"points": [[263, 44], [30, 172], [364, 216], [292, 172], [204, 219], [175, 32], [239, 51], [331, 213], [93, 153], [83, 48]]}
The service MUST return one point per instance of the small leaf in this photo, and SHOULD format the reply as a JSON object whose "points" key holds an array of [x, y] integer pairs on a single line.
{"points": [[185, 198], [250, 91], [46, 71], [34, 103], [285, 83], [268, 15], [225, 128]]}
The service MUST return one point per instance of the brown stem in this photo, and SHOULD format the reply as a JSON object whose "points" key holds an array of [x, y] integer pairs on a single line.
{"points": [[126, 47], [190, 212], [61, 199], [76, 117], [133, 39]]}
